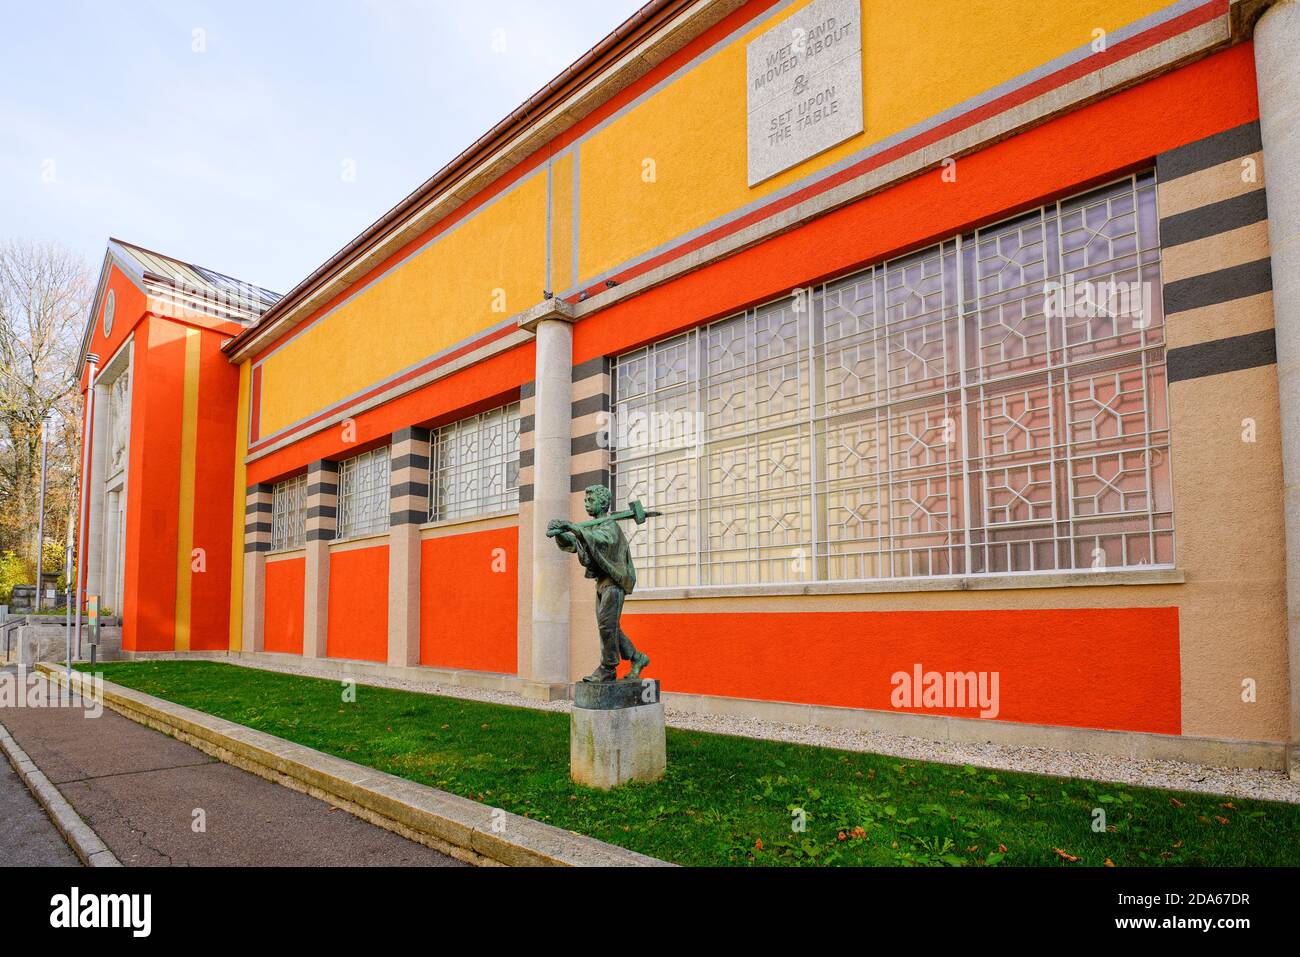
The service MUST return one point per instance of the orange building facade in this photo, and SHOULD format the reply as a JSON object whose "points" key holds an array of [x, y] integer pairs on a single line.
{"points": [[944, 338]]}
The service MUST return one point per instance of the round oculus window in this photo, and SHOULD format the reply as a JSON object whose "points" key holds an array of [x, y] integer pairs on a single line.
{"points": [[110, 306]]}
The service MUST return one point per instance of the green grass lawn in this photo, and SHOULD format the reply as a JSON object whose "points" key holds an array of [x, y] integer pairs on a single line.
{"points": [[732, 801]]}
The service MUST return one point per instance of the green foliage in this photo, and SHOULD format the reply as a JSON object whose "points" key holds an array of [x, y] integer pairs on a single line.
{"points": [[54, 562], [13, 571], [739, 801]]}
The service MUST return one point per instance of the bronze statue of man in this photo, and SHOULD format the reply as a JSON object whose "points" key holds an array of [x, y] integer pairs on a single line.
{"points": [[603, 550]]}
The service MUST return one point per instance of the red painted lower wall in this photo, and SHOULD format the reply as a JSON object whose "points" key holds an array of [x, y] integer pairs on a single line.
{"points": [[468, 601], [284, 605], [358, 610], [1113, 668]]}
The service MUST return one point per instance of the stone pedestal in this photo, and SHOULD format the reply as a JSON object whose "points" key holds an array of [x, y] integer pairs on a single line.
{"points": [[616, 733]]}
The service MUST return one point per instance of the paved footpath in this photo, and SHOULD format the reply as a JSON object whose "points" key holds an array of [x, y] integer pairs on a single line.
{"points": [[139, 790]]}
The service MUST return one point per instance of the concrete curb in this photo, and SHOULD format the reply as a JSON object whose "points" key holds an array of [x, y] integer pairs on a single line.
{"points": [[464, 829], [84, 842]]}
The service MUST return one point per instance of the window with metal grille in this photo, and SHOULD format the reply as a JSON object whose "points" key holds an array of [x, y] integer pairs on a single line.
{"points": [[363, 494], [288, 512], [474, 465], [992, 404]]}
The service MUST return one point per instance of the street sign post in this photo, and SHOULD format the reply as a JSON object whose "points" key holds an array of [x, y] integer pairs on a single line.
{"points": [[92, 622]]}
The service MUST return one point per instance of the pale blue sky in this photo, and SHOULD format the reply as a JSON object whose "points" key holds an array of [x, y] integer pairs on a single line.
{"points": [[233, 158]]}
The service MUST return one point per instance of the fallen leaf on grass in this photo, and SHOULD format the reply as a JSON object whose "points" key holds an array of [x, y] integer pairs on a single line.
{"points": [[1069, 857]]}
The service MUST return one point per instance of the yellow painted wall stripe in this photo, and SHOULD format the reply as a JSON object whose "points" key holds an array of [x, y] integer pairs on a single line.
{"points": [[562, 223], [913, 68], [237, 522], [185, 526], [483, 270]]}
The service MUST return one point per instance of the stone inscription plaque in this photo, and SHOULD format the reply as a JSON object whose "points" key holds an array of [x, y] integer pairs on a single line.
{"points": [[804, 79]]}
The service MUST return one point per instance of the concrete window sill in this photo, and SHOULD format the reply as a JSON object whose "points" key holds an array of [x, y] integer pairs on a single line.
{"points": [[469, 520], [1126, 576], [296, 552], [359, 541]]}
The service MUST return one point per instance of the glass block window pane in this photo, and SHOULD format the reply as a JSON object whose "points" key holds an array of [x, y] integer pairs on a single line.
{"points": [[995, 403], [288, 513], [363, 494], [474, 465]]}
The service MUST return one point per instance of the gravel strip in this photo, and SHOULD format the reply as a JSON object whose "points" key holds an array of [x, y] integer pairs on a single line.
{"points": [[1168, 775]]}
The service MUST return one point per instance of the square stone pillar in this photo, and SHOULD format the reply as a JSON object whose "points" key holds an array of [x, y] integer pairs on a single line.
{"points": [[320, 529], [257, 542], [408, 510], [93, 546], [1277, 48]]}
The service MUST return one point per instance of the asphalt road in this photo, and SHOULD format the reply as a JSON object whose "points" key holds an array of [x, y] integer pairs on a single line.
{"points": [[156, 801]]}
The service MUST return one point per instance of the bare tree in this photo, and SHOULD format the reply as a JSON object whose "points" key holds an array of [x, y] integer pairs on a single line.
{"points": [[44, 294]]}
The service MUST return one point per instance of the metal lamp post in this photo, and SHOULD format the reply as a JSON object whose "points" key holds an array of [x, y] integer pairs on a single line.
{"points": [[40, 521]]}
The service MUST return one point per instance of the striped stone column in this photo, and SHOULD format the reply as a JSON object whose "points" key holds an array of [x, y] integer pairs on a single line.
{"points": [[408, 510], [257, 542], [524, 621], [321, 528], [588, 465]]}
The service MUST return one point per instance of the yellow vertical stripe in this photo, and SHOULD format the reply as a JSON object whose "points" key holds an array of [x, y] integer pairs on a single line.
{"points": [[185, 526], [237, 523], [562, 223]]}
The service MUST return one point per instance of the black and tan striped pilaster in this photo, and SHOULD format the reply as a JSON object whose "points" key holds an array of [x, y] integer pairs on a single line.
{"points": [[322, 501], [524, 621], [1215, 264], [409, 477], [257, 518], [589, 451], [527, 406]]}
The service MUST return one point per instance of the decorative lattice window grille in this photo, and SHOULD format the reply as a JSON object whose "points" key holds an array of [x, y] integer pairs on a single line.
{"points": [[363, 494], [955, 411], [288, 512], [474, 465]]}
